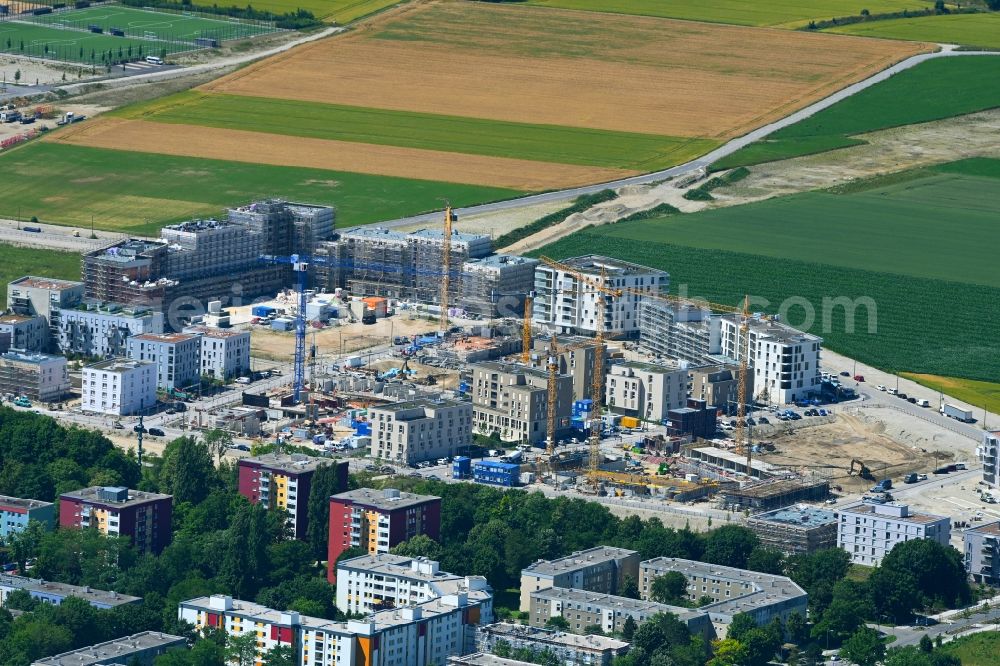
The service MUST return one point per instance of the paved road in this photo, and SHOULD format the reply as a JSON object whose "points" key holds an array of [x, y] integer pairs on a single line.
{"points": [[707, 159]]}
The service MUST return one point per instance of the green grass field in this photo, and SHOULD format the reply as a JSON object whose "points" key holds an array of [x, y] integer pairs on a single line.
{"points": [[976, 650], [546, 143], [42, 41], [980, 394], [166, 26], [938, 279], [933, 90], [901, 225], [19, 261], [339, 11], [139, 192], [968, 29], [739, 12]]}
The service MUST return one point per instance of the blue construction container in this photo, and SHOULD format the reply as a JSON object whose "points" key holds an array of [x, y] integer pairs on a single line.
{"points": [[497, 473], [262, 310], [581, 407], [461, 468], [362, 427], [282, 324]]}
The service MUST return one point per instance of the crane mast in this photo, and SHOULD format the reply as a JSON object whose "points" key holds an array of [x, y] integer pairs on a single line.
{"points": [[446, 261], [552, 397], [742, 433], [526, 328]]}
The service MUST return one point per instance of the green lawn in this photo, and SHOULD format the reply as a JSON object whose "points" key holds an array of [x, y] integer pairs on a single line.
{"points": [[19, 261], [921, 250], [933, 90], [37, 40], [340, 11], [977, 650], [980, 394], [136, 192], [897, 228], [968, 29], [546, 143], [165, 25], [740, 12]]}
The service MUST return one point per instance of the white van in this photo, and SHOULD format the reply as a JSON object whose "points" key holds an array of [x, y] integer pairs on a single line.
{"points": [[924, 403], [153, 60]]}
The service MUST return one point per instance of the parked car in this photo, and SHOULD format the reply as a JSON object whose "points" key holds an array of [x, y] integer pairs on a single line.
{"points": [[845, 373], [823, 412], [902, 395], [156, 432], [763, 420], [859, 378], [911, 400], [880, 387]]}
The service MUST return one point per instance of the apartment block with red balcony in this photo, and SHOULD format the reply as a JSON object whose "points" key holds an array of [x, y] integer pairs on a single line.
{"points": [[116, 511], [377, 520], [283, 482]]}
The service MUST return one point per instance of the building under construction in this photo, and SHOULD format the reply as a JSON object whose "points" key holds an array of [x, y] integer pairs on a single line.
{"points": [[774, 494], [676, 331], [496, 286], [796, 529]]}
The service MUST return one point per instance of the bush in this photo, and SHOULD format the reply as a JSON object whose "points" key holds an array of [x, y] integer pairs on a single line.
{"points": [[660, 210], [580, 204], [699, 194]]}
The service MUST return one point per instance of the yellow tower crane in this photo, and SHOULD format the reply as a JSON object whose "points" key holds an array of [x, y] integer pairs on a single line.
{"points": [[449, 217], [529, 300]]}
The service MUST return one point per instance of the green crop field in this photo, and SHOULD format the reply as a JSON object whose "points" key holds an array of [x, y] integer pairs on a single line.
{"points": [[739, 12], [976, 650], [941, 88], [16, 262], [164, 25], [74, 45], [969, 29], [139, 192], [939, 279], [339, 11], [546, 143]]}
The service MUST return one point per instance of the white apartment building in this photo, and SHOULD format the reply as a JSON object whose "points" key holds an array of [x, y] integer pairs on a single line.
{"points": [[869, 531], [177, 357], [225, 353], [420, 635], [645, 390], [26, 333], [421, 429], [119, 386], [512, 400], [987, 454], [567, 303], [381, 581], [36, 376], [102, 330], [784, 360]]}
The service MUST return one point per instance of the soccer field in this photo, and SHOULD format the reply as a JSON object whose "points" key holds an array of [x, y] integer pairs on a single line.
{"points": [[43, 41], [147, 24]]}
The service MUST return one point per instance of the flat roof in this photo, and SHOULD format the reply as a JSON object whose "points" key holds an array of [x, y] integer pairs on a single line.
{"points": [[103, 597], [586, 641], [802, 515], [22, 503], [36, 358], [733, 457], [214, 332], [118, 364], [387, 500], [645, 366], [500, 260], [172, 338], [438, 234], [511, 368], [578, 560], [417, 403], [873, 510], [592, 264], [989, 529], [114, 651], [486, 659], [766, 588], [35, 282], [13, 318], [623, 604], [399, 566], [135, 497], [294, 463], [776, 330]]}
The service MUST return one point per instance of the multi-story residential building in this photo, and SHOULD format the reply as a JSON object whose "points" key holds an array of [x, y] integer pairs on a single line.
{"points": [[598, 569], [571, 649], [785, 361], [485, 659], [119, 386], [54, 593], [16, 513], [645, 390], [565, 302], [377, 582], [115, 511], [37, 376], [796, 529], [718, 384], [987, 452], [575, 356], [378, 520], [583, 609], [496, 286], [136, 650], [732, 591], [982, 553], [512, 401], [102, 330], [177, 357], [427, 246], [696, 419], [421, 429], [25, 333], [424, 634], [283, 481], [869, 531], [674, 331], [225, 353], [45, 297]]}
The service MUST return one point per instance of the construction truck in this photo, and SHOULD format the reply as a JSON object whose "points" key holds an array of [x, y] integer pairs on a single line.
{"points": [[22, 401]]}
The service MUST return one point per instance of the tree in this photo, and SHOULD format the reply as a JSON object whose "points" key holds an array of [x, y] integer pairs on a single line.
{"points": [[242, 650], [630, 587], [218, 440], [730, 546], [893, 593], [594, 629], [670, 588], [761, 646], [17, 73], [23, 544], [419, 546], [281, 655], [729, 652], [740, 626], [557, 622], [908, 656], [926, 644], [864, 647], [186, 471], [244, 551], [767, 560], [937, 571], [628, 629], [817, 573], [850, 607]]}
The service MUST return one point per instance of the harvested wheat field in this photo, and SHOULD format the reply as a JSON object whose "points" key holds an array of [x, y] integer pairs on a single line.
{"points": [[282, 150], [602, 71]]}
